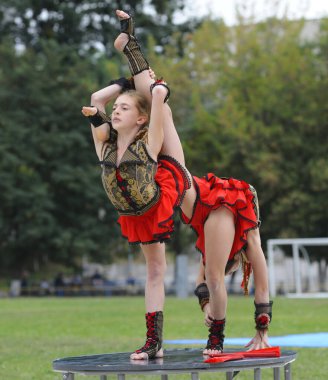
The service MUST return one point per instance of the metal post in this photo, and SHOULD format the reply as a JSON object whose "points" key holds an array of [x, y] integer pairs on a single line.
{"points": [[276, 373], [103, 377], [229, 375], [68, 376], [165, 377], [288, 372], [272, 280], [194, 376], [297, 269], [120, 376], [257, 373]]}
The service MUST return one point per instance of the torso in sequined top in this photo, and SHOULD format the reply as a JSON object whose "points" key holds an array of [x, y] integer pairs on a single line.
{"points": [[131, 186]]}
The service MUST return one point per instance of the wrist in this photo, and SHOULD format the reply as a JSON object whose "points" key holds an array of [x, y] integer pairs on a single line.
{"points": [[203, 295], [263, 316]]}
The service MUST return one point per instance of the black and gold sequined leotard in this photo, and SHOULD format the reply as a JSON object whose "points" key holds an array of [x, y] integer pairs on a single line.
{"points": [[131, 186]]}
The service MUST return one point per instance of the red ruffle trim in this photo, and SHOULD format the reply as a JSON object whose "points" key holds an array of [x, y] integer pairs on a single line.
{"points": [[214, 192], [157, 224]]}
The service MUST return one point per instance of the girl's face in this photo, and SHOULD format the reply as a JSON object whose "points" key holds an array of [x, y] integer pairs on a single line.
{"points": [[125, 113]]}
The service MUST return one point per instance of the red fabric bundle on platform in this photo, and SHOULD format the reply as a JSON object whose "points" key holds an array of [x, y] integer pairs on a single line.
{"points": [[270, 352]]}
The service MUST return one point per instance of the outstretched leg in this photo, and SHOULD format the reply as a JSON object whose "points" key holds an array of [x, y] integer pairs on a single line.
{"points": [[128, 44]]}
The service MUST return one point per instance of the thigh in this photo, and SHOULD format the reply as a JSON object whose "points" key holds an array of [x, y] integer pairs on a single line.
{"points": [[154, 253], [219, 232]]}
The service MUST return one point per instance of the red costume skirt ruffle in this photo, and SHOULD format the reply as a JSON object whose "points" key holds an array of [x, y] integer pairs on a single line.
{"points": [[157, 225], [214, 192]]}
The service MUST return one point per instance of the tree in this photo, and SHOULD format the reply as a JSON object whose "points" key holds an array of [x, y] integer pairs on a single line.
{"points": [[251, 105], [50, 185], [86, 25]]}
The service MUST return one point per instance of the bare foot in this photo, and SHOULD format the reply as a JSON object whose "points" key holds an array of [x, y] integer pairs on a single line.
{"points": [[122, 38], [211, 352], [89, 111], [144, 355]]}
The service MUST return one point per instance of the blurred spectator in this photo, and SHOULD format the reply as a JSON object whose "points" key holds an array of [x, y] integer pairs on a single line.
{"points": [[24, 284], [59, 284], [44, 288], [97, 279]]}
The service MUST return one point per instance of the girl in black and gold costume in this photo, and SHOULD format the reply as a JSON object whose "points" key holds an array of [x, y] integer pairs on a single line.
{"points": [[224, 214], [144, 188]]}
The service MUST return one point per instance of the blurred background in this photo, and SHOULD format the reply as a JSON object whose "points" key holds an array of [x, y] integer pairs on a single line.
{"points": [[250, 100]]}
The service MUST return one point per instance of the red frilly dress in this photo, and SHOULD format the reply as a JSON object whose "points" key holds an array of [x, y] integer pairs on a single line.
{"points": [[144, 192], [156, 224], [237, 196]]}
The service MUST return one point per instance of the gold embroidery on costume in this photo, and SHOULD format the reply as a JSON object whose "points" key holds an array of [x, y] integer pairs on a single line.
{"points": [[131, 186]]}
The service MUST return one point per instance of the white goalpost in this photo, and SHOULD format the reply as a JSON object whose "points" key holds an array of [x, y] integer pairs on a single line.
{"points": [[298, 246]]}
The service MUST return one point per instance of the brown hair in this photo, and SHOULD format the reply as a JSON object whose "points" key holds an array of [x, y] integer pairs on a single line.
{"points": [[141, 103]]}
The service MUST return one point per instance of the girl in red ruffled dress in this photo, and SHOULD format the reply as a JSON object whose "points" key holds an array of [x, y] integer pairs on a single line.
{"points": [[145, 189], [223, 213]]}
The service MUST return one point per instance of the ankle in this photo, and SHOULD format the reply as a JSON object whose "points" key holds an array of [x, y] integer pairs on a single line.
{"points": [[216, 335]]}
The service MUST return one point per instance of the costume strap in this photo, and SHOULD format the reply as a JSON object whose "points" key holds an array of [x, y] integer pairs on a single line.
{"points": [[161, 82], [125, 83], [216, 335], [203, 295], [154, 323], [263, 315], [99, 118]]}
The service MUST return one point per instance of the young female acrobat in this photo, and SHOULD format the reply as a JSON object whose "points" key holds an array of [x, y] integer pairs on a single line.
{"points": [[222, 213], [144, 188]]}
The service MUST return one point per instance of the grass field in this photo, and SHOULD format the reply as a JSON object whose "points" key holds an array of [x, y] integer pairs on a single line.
{"points": [[35, 331]]}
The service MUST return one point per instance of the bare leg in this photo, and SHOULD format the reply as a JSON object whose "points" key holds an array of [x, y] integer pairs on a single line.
{"points": [[219, 235], [154, 291], [156, 268]]}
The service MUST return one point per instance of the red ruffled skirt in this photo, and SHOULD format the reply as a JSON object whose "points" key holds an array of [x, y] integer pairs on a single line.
{"points": [[214, 192], [157, 225]]}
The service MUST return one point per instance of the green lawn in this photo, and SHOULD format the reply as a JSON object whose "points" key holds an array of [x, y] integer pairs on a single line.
{"points": [[35, 331]]}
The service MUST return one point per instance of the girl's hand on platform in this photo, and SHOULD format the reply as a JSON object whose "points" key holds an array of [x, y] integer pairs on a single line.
{"points": [[207, 315], [259, 341]]}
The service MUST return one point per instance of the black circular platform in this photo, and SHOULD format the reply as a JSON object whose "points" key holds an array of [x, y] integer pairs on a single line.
{"points": [[181, 360]]}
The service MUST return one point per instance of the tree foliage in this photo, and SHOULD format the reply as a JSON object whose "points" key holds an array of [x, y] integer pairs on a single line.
{"points": [[248, 101], [87, 25], [49, 180]]}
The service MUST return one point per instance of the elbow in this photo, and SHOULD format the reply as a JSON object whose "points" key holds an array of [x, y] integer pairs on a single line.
{"points": [[96, 100]]}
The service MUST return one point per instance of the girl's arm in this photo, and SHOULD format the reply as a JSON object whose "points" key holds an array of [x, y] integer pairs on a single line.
{"points": [[99, 100]]}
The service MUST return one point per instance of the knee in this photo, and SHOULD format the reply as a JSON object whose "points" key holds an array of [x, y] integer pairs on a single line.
{"points": [[156, 271], [214, 280]]}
